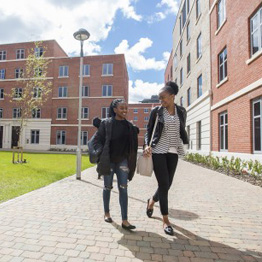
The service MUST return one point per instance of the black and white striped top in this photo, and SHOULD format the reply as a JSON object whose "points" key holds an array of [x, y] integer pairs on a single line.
{"points": [[170, 140]]}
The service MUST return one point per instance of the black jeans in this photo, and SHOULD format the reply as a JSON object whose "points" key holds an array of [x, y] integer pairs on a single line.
{"points": [[164, 168]]}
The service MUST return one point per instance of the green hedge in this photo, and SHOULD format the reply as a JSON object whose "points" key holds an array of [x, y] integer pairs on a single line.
{"points": [[235, 165]]}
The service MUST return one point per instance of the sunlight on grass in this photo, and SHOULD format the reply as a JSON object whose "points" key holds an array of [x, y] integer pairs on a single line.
{"points": [[41, 170]]}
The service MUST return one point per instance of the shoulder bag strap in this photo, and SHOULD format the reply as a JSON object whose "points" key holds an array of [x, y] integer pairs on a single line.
{"points": [[154, 129]]}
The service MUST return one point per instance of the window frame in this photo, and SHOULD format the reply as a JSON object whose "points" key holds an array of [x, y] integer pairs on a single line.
{"points": [[16, 112], [2, 93], [105, 112], [225, 131], [258, 13], [84, 134], [62, 134], [198, 9], [20, 53], [199, 46], [34, 137], [181, 76], [198, 89], [2, 73], [86, 66], [107, 90], [188, 59], [39, 51], [64, 91], [62, 114], [222, 10], [36, 113], [19, 73], [85, 115], [84, 88], [3, 55], [257, 100], [63, 71], [106, 69], [18, 93], [189, 96], [223, 65], [1, 112], [199, 137]]}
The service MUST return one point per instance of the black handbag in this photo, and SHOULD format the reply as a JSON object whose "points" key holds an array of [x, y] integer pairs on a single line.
{"points": [[94, 150]]}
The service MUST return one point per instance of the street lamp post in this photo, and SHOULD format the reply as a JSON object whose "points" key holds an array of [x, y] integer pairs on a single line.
{"points": [[80, 35]]}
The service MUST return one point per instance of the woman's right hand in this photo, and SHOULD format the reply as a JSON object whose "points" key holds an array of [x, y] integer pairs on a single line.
{"points": [[147, 151]]}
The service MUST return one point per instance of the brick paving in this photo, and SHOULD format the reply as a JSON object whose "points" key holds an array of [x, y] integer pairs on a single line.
{"points": [[216, 218]]}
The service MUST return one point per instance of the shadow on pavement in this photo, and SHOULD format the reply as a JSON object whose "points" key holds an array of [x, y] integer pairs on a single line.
{"points": [[183, 246]]}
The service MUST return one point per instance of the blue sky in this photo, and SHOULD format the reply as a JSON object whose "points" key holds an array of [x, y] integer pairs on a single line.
{"points": [[141, 29]]}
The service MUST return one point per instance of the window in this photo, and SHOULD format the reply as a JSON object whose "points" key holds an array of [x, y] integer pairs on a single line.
{"points": [[198, 8], [62, 113], [39, 51], [107, 90], [35, 136], [38, 72], [176, 80], [256, 32], [184, 14], [60, 137], [180, 25], [37, 92], [62, 91], [84, 138], [2, 73], [18, 92], [188, 135], [199, 46], [175, 61], [188, 32], [222, 65], [135, 118], [105, 112], [16, 112], [257, 125], [84, 113], [86, 70], [135, 110], [36, 113], [1, 112], [199, 86], [181, 101], [221, 12], [181, 48], [223, 131], [199, 135], [85, 91], [63, 71], [181, 77], [146, 110], [107, 69], [146, 118], [188, 64], [19, 72], [145, 125], [20, 53], [189, 96], [1, 93], [3, 55], [188, 6], [171, 72]]}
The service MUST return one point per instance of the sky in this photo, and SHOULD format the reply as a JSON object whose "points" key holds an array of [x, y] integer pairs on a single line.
{"points": [[141, 29]]}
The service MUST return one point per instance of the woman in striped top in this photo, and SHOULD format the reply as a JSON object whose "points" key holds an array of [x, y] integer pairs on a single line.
{"points": [[167, 145]]}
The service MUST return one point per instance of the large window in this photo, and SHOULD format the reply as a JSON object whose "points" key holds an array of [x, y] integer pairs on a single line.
{"points": [[85, 113], [198, 8], [221, 12], [60, 137], [257, 125], [18, 92], [62, 91], [1, 112], [19, 72], [107, 69], [63, 71], [199, 86], [20, 53], [188, 31], [85, 91], [256, 32], [39, 51], [36, 113], [84, 138], [62, 113], [222, 65], [105, 112], [37, 92], [184, 14], [35, 136], [223, 131], [1, 93], [107, 90], [181, 77], [188, 63], [3, 55], [189, 96], [199, 46], [16, 112], [86, 70], [2, 73], [199, 130]]}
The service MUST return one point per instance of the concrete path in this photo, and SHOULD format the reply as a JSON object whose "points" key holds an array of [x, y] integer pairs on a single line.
{"points": [[216, 218]]}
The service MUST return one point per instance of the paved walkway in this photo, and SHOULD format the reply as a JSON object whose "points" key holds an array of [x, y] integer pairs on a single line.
{"points": [[216, 218]]}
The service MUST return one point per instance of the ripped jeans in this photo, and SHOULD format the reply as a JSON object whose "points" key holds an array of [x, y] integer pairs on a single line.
{"points": [[121, 170]]}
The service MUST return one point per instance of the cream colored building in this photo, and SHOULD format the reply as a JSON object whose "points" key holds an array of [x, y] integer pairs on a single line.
{"points": [[191, 70]]}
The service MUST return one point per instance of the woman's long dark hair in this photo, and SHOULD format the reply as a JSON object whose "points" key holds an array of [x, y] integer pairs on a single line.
{"points": [[113, 105]]}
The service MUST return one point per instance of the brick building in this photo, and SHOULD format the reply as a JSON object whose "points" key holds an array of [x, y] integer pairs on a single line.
{"points": [[236, 55], [189, 67], [105, 78]]}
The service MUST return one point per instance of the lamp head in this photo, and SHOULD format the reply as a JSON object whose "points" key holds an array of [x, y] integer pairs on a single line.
{"points": [[81, 34]]}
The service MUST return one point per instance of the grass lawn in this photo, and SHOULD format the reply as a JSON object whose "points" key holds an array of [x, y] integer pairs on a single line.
{"points": [[41, 170]]}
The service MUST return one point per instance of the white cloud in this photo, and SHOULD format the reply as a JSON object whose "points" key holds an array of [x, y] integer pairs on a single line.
{"points": [[134, 55], [140, 90], [49, 19]]}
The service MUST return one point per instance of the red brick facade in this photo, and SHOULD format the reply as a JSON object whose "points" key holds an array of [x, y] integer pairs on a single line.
{"points": [[236, 93]]}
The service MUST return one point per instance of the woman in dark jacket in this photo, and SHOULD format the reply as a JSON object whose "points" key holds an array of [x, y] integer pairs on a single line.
{"points": [[167, 144], [118, 138]]}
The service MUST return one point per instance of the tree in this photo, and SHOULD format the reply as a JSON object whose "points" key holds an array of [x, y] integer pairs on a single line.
{"points": [[33, 89]]}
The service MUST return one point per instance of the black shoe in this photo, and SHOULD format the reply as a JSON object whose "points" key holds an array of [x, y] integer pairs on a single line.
{"points": [[130, 227], [149, 212], [108, 219], [169, 230]]}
